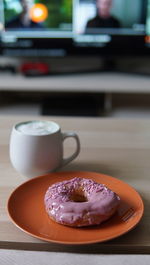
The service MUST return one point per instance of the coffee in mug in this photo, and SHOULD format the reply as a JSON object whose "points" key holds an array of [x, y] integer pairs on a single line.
{"points": [[37, 127], [36, 147]]}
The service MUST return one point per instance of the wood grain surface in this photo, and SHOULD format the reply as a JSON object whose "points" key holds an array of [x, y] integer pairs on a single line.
{"points": [[116, 147]]}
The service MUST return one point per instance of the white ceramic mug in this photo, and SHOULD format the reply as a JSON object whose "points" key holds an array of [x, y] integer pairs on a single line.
{"points": [[36, 150]]}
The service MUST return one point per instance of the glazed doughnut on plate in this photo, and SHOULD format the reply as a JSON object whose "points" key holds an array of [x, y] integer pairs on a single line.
{"points": [[80, 202]]}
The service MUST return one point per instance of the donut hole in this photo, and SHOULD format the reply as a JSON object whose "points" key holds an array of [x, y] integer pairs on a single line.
{"points": [[78, 196]]}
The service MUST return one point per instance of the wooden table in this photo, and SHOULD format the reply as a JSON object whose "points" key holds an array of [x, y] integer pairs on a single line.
{"points": [[120, 148]]}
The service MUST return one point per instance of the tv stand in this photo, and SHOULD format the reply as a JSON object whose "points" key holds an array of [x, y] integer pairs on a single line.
{"points": [[112, 82], [102, 83]]}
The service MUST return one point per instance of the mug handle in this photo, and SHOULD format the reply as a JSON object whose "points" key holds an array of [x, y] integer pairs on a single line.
{"points": [[74, 155]]}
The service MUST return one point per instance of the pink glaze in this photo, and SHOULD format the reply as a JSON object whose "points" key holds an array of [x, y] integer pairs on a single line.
{"points": [[100, 201]]}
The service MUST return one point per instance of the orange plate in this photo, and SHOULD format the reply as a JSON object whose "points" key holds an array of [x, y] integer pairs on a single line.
{"points": [[26, 209]]}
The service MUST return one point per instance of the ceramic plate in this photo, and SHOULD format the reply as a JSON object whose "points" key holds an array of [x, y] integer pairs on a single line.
{"points": [[26, 210]]}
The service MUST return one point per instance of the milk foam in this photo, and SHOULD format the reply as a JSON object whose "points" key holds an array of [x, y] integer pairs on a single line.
{"points": [[37, 127]]}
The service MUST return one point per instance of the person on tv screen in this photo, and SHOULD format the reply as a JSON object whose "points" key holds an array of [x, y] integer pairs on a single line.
{"points": [[23, 20], [103, 18]]}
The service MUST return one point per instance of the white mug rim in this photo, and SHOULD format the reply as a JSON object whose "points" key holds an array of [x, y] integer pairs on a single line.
{"points": [[36, 135]]}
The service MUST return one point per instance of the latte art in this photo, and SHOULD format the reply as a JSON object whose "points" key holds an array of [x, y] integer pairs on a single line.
{"points": [[37, 127]]}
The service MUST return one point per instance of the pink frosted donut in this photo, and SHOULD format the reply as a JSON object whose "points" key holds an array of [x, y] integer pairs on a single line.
{"points": [[80, 202]]}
